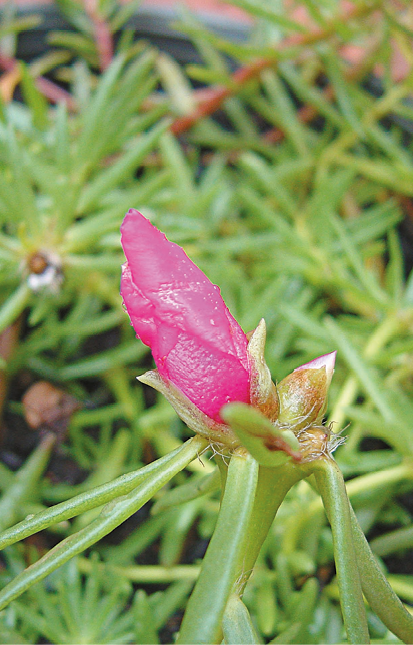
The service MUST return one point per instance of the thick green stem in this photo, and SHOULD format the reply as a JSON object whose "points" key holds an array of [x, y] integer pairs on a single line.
{"points": [[203, 617], [377, 590], [333, 492], [273, 485], [112, 515]]}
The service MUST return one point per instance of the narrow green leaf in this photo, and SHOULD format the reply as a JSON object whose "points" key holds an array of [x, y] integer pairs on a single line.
{"points": [[379, 641], [135, 84], [266, 12], [176, 531], [310, 94], [103, 361], [324, 201], [87, 232], [87, 500], [25, 482], [194, 488], [265, 178], [361, 370], [112, 515], [111, 465], [62, 143], [122, 169], [77, 44], [13, 25], [301, 610], [178, 165], [135, 543], [343, 90], [397, 433], [144, 622], [285, 113], [22, 190], [176, 84], [366, 278], [288, 635], [123, 14], [239, 116], [266, 607], [96, 109], [206, 76], [376, 220], [394, 269], [393, 176], [34, 98], [170, 601], [388, 144], [14, 305], [402, 585], [393, 541], [302, 320]]}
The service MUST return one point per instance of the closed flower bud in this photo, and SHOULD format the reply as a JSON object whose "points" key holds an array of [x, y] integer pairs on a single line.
{"points": [[303, 393], [198, 347]]}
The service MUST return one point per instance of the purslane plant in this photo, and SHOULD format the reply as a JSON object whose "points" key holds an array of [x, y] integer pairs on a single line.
{"points": [[265, 437]]}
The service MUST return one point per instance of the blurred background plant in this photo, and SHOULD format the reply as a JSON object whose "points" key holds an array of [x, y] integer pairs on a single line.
{"points": [[282, 162]]}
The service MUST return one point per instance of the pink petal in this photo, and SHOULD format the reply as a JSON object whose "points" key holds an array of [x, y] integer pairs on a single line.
{"points": [[327, 361], [180, 314]]}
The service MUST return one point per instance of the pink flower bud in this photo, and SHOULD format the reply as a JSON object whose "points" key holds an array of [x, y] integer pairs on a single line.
{"points": [[177, 311]]}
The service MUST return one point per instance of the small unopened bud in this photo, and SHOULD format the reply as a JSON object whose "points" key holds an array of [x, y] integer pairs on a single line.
{"points": [[303, 393]]}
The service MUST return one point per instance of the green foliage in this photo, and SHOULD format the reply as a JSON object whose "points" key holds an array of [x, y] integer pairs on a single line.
{"points": [[303, 232]]}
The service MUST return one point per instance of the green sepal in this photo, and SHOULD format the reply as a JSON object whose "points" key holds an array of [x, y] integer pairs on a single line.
{"points": [[269, 445]]}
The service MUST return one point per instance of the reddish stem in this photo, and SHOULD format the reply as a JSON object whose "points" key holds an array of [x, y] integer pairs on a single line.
{"points": [[103, 35], [54, 93], [217, 96]]}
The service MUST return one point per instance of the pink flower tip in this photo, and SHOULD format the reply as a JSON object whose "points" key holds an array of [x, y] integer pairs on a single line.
{"points": [[327, 361], [176, 310]]}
